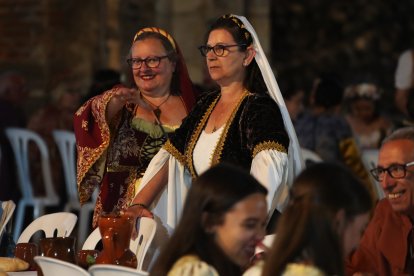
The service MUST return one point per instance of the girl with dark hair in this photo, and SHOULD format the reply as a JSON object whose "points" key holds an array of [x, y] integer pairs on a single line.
{"points": [[120, 130], [328, 211], [223, 219]]}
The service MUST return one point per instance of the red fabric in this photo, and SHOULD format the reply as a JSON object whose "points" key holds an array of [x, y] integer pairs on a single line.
{"points": [[92, 139], [188, 92], [383, 248]]}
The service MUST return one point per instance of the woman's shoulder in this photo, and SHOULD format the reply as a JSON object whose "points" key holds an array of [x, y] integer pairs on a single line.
{"points": [[191, 265], [261, 102], [263, 98], [294, 269]]}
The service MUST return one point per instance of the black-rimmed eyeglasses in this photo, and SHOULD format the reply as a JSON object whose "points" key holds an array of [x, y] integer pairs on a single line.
{"points": [[219, 50], [395, 171], [151, 62]]}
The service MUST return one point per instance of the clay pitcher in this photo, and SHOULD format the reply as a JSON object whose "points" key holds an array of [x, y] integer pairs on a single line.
{"points": [[116, 233]]}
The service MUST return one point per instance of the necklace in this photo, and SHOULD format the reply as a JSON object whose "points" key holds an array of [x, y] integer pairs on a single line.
{"points": [[156, 110]]}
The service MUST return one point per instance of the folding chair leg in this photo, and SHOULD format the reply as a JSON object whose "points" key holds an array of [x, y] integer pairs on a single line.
{"points": [[19, 220], [84, 215]]}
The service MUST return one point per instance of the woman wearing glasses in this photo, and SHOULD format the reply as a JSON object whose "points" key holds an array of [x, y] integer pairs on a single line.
{"points": [[244, 123], [119, 131]]}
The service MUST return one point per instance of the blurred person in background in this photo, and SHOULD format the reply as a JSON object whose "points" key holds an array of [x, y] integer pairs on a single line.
{"points": [[368, 126], [294, 96], [322, 224], [325, 131], [103, 80], [404, 80], [56, 115], [409, 120], [13, 93]]}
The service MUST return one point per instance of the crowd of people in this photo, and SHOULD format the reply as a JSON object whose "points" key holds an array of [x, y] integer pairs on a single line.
{"points": [[220, 169]]}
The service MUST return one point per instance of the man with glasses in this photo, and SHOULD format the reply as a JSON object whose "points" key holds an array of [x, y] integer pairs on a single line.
{"points": [[387, 246]]}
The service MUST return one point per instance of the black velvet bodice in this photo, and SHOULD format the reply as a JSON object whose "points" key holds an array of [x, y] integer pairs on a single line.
{"points": [[257, 125]]}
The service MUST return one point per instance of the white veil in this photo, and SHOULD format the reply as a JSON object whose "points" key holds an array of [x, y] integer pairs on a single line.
{"points": [[295, 164]]}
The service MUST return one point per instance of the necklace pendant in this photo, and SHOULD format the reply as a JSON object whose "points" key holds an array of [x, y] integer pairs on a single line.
{"points": [[157, 113], [214, 129]]}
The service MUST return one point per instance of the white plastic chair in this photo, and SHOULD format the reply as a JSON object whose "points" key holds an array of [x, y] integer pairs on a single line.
{"points": [[370, 159], [53, 267], [92, 240], [66, 143], [63, 222], [8, 210], [310, 156], [19, 140], [146, 228], [146, 231], [115, 270]]}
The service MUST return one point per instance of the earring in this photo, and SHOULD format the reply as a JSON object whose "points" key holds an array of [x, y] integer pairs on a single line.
{"points": [[245, 63]]}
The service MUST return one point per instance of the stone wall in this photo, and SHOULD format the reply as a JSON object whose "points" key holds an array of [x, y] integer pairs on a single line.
{"points": [[355, 39], [55, 41]]}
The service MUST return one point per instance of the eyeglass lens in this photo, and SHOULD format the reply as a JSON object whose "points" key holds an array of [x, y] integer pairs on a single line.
{"points": [[395, 171], [151, 62], [218, 50]]}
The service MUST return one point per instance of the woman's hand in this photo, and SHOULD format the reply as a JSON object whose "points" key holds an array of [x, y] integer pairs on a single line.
{"points": [[137, 211], [122, 96]]}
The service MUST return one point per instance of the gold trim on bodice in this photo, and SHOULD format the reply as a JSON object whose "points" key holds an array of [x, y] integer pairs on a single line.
{"points": [[268, 145], [220, 144]]}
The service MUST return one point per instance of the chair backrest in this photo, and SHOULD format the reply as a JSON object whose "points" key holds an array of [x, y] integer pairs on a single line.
{"points": [[310, 156], [370, 159], [92, 240], [115, 270], [8, 210], [19, 140], [146, 231], [66, 143], [62, 222], [53, 267]]}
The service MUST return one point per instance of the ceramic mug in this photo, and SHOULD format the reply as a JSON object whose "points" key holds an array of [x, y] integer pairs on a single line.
{"points": [[62, 248], [27, 251]]}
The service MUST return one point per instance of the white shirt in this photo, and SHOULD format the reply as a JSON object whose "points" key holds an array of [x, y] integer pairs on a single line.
{"points": [[204, 149], [404, 72]]}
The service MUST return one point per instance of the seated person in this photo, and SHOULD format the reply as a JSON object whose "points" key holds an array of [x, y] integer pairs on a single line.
{"points": [[387, 246], [294, 97], [223, 220], [326, 132], [321, 225], [368, 125], [409, 119]]}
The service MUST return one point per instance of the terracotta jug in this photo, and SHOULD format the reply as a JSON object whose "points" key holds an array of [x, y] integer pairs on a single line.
{"points": [[116, 233]]}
